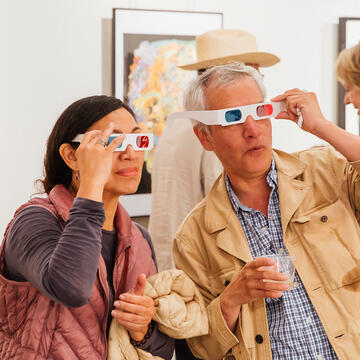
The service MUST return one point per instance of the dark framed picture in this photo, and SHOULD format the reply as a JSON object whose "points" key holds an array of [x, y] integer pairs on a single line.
{"points": [[349, 35], [148, 46]]}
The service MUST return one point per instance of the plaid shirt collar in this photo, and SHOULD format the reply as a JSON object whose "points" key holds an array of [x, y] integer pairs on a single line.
{"points": [[271, 179]]}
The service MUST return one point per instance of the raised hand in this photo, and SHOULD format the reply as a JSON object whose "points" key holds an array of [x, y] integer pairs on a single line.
{"points": [[308, 105], [95, 162], [134, 311]]}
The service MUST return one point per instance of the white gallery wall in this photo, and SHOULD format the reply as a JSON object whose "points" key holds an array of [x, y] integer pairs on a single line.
{"points": [[56, 51]]}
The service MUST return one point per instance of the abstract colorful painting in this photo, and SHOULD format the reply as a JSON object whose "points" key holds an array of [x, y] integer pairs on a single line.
{"points": [[147, 47], [155, 84]]}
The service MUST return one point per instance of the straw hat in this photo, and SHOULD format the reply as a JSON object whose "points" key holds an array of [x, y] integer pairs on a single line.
{"points": [[220, 47]]}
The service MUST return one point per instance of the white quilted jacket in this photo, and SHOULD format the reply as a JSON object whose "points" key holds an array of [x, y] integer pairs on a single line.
{"points": [[179, 312]]}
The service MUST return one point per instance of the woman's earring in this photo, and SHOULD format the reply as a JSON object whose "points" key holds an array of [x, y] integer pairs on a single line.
{"points": [[77, 176]]}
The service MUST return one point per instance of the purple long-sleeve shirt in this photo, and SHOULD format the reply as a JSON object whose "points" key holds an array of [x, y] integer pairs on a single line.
{"points": [[62, 263]]}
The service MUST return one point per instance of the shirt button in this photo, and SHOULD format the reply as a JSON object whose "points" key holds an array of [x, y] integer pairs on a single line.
{"points": [[319, 357], [324, 219], [259, 339], [296, 284], [264, 228], [308, 320]]}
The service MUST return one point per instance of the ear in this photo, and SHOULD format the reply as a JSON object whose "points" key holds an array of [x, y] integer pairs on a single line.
{"points": [[67, 152], [204, 137]]}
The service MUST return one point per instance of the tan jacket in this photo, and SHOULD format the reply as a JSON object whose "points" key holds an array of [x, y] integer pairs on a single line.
{"points": [[319, 204], [179, 312], [182, 174]]}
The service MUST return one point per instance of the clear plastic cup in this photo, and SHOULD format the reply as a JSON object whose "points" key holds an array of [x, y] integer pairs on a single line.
{"points": [[284, 264]]}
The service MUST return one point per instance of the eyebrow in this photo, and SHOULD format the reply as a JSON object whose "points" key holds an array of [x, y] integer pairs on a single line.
{"points": [[115, 131]]}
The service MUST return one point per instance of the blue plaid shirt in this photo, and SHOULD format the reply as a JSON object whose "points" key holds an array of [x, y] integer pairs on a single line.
{"points": [[294, 327]]}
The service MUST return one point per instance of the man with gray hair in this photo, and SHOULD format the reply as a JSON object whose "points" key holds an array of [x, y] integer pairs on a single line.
{"points": [[182, 171], [268, 202]]}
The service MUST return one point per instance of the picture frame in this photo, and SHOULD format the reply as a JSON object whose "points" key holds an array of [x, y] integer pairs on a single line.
{"points": [[147, 47], [348, 36]]}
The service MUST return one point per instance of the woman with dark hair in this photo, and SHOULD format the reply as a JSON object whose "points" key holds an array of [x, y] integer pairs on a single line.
{"points": [[67, 257]]}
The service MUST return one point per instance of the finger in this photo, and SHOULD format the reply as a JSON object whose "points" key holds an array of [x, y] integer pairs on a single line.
{"points": [[286, 94], [103, 134], [268, 284], [273, 294], [292, 106], [273, 275], [129, 317], [139, 286], [261, 269], [132, 308], [137, 299], [258, 273], [260, 261], [265, 280], [280, 97], [260, 293], [108, 131], [293, 91], [90, 135], [132, 326], [116, 142]]}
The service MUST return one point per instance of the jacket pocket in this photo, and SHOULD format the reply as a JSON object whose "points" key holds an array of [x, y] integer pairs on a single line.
{"points": [[220, 280], [331, 236]]}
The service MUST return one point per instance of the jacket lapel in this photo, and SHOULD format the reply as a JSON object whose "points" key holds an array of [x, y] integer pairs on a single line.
{"points": [[233, 241], [221, 218], [292, 190]]}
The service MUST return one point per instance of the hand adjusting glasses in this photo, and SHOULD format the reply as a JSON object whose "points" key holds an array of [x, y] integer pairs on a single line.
{"points": [[232, 116], [139, 142]]}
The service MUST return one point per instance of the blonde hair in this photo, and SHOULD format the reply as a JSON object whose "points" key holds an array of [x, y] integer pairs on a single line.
{"points": [[348, 65]]}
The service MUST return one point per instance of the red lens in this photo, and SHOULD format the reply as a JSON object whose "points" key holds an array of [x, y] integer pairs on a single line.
{"points": [[142, 141], [264, 110]]}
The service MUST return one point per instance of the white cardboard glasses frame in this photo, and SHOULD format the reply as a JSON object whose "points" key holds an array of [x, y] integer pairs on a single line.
{"points": [[138, 141]]}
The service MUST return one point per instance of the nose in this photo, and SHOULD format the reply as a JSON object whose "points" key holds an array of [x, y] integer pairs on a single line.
{"points": [[128, 154], [347, 99], [251, 127]]}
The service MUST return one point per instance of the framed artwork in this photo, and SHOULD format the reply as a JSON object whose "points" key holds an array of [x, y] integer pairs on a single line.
{"points": [[349, 35], [147, 47]]}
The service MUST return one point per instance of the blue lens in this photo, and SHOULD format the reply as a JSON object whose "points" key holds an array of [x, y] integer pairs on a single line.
{"points": [[111, 138], [233, 115]]}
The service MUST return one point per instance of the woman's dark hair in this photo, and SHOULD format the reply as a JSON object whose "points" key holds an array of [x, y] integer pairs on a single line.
{"points": [[76, 119]]}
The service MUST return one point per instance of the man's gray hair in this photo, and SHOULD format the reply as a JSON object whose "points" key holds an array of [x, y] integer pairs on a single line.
{"points": [[218, 76]]}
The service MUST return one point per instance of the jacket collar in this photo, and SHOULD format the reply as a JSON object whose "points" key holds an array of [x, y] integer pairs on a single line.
{"points": [[62, 200], [220, 216]]}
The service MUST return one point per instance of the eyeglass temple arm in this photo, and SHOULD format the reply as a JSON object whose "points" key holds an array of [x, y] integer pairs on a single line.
{"points": [[278, 107], [78, 138], [206, 117]]}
